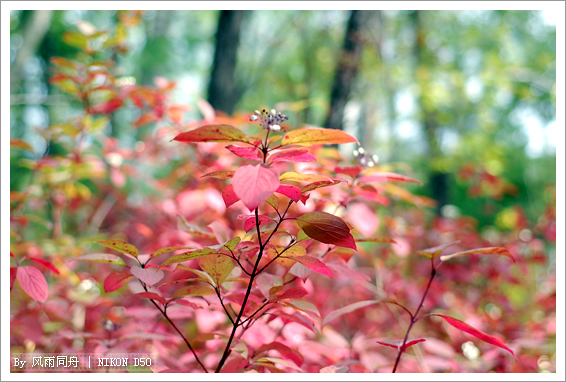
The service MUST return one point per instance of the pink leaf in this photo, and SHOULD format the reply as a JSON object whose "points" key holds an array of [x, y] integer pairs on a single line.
{"points": [[188, 303], [254, 184], [292, 155], [347, 272], [32, 282], [152, 296], [229, 196], [250, 223], [397, 343], [45, 263], [292, 293], [150, 276], [385, 176], [115, 281], [474, 332], [292, 192], [284, 350], [219, 174], [313, 264], [245, 152], [347, 309]]}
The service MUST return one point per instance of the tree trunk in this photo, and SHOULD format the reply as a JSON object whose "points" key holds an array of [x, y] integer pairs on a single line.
{"points": [[223, 94], [438, 179], [347, 69], [35, 30]]}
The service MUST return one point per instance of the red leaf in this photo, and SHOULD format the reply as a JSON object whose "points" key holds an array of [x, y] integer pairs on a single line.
{"points": [[350, 171], [32, 282], [475, 332], [397, 344], [115, 281], [385, 176], [229, 196], [481, 251], [13, 272], [250, 223], [254, 184], [188, 303], [292, 155], [212, 133], [152, 296], [45, 263], [144, 120], [150, 276], [292, 192], [251, 153], [326, 228], [313, 264]]}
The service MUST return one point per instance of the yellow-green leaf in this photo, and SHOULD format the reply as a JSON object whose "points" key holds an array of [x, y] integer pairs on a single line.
{"points": [[120, 246], [317, 136]]}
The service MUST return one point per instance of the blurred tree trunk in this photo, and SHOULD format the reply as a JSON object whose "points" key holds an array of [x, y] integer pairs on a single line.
{"points": [[347, 69], [34, 32], [438, 179], [223, 93]]}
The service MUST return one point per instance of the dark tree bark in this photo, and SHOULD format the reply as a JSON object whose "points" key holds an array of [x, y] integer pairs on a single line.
{"points": [[347, 69], [438, 180], [223, 93]]}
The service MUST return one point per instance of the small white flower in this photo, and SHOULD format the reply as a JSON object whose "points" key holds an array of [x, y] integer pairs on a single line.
{"points": [[253, 118], [275, 128]]}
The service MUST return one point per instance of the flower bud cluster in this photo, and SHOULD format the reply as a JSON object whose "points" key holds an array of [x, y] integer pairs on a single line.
{"points": [[270, 120], [365, 159]]}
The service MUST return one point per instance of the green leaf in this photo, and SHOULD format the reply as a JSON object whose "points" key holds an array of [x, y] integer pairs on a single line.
{"points": [[168, 249], [212, 133], [232, 243], [217, 266], [102, 258], [273, 202], [187, 256], [120, 246], [317, 136], [319, 184], [296, 177]]}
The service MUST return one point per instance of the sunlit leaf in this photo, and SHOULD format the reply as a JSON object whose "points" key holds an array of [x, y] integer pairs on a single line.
{"points": [[212, 133], [316, 136], [376, 240], [296, 177], [319, 184]]}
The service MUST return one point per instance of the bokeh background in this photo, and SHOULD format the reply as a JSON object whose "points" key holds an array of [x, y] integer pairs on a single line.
{"points": [[443, 91]]}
